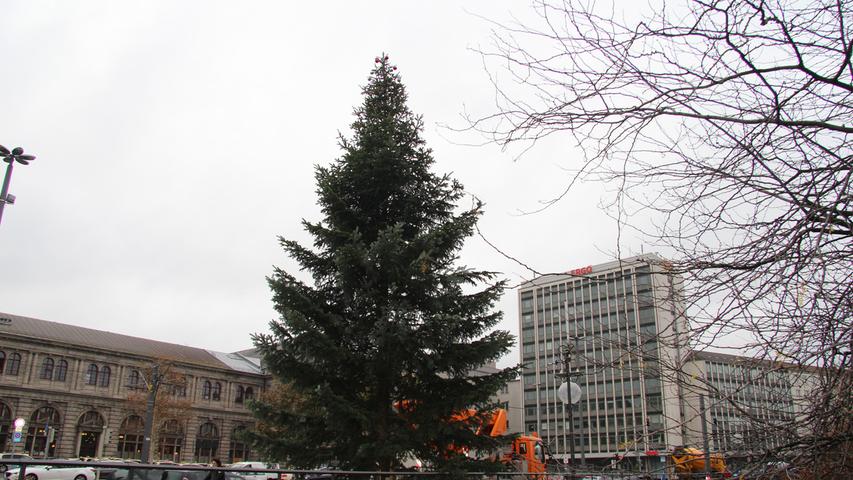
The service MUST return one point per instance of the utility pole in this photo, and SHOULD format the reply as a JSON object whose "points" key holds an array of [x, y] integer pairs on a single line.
{"points": [[10, 157], [567, 352], [570, 393], [705, 445], [153, 386]]}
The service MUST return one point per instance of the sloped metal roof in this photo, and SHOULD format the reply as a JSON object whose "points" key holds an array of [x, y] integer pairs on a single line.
{"points": [[16, 325], [238, 362]]}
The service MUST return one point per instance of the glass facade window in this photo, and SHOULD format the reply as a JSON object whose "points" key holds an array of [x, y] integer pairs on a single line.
{"points": [[90, 427], [5, 427], [130, 437], [13, 364], [61, 371], [46, 372], [43, 433], [104, 379], [238, 449], [92, 375], [206, 443], [170, 441], [134, 379], [177, 387]]}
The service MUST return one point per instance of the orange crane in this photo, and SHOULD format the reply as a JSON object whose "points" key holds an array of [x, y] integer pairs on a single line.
{"points": [[528, 451]]}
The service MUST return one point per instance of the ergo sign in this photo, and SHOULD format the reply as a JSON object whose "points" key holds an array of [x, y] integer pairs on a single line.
{"points": [[581, 271]]}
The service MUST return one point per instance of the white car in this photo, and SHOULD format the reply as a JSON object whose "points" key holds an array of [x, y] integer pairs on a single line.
{"points": [[238, 475], [49, 472], [9, 457]]}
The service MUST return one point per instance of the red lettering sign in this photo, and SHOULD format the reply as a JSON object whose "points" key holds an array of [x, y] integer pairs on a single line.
{"points": [[581, 271]]}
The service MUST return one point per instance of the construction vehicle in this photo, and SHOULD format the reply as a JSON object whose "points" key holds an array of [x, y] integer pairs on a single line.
{"points": [[527, 452], [690, 463]]}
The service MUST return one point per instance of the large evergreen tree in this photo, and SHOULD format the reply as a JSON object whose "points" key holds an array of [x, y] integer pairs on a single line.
{"points": [[376, 356]]}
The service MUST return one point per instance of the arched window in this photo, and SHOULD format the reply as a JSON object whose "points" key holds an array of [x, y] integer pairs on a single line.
{"points": [[130, 436], [105, 376], [134, 379], [43, 433], [13, 366], [239, 397], [91, 420], [250, 394], [61, 371], [46, 369], [5, 426], [2, 361], [205, 390], [217, 391], [206, 442], [178, 387], [171, 441], [92, 374], [90, 426], [238, 450]]}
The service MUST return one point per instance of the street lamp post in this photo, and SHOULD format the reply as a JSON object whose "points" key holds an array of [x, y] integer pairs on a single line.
{"points": [[10, 157], [570, 394]]}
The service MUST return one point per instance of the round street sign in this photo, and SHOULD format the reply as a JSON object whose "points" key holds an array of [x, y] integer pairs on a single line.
{"points": [[569, 392]]}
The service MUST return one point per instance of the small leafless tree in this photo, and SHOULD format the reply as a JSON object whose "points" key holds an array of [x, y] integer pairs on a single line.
{"points": [[171, 401], [730, 121]]}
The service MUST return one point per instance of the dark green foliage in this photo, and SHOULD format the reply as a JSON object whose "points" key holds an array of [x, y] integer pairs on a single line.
{"points": [[390, 316]]}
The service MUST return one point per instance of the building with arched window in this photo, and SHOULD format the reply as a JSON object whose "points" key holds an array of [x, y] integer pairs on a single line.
{"points": [[79, 391]]}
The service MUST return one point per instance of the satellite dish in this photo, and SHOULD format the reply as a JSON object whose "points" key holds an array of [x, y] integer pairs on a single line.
{"points": [[569, 391]]}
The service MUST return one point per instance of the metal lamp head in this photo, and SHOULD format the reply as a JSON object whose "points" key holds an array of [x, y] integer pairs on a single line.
{"points": [[15, 155]]}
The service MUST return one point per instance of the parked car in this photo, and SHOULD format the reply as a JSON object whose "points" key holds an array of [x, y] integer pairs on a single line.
{"points": [[15, 456], [12, 456], [238, 475], [321, 473], [112, 473], [49, 472], [177, 474]]}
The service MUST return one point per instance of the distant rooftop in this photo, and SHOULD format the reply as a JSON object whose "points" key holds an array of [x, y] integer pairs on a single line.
{"points": [[16, 325], [592, 270]]}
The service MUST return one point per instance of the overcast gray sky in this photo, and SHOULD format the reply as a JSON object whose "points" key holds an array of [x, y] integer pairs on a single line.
{"points": [[177, 139]]}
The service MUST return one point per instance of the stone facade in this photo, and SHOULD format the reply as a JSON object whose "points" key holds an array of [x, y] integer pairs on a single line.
{"points": [[73, 387]]}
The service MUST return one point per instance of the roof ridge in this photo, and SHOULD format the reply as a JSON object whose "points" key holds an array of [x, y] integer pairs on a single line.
{"points": [[121, 342]]}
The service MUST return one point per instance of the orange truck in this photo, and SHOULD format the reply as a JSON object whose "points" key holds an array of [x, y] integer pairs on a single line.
{"points": [[528, 451], [690, 463]]}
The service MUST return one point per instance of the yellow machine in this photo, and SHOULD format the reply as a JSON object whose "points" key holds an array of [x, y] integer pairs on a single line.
{"points": [[689, 462]]}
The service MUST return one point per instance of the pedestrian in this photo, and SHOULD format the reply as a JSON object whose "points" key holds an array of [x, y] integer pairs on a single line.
{"points": [[215, 474]]}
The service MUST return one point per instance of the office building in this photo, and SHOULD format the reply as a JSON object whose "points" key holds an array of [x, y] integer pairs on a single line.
{"points": [[750, 405], [622, 320]]}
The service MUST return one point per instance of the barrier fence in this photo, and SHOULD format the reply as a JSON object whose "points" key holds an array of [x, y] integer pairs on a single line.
{"points": [[32, 469]]}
